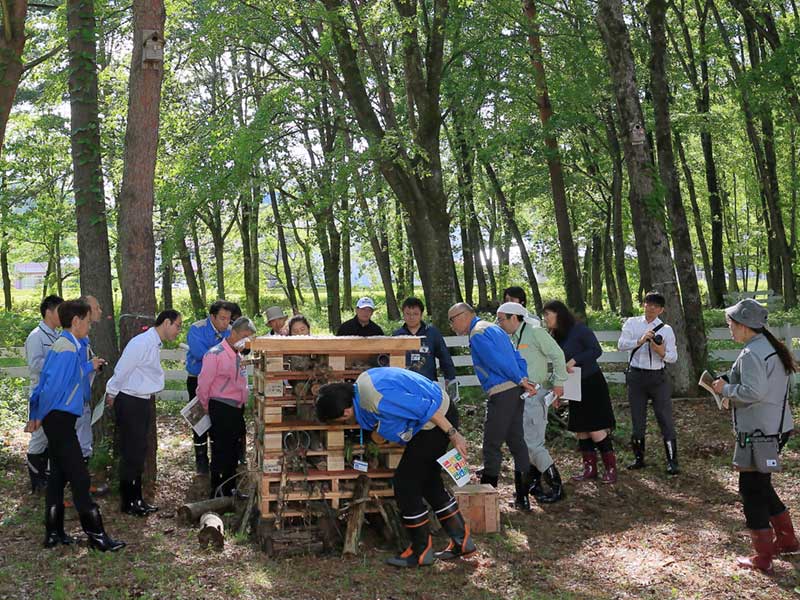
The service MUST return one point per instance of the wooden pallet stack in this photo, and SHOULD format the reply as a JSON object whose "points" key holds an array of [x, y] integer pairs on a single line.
{"points": [[301, 459]]}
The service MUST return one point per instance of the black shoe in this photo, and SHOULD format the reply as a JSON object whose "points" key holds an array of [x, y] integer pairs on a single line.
{"points": [[419, 552], [137, 488], [637, 446], [492, 481], [129, 502], [54, 526], [671, 450], [553, 479], [92, 524], [453, 523], [521, 501], [535, 482], [37, 470]]}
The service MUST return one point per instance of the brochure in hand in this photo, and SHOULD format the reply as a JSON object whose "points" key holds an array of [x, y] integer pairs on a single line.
{"points": [[707, 382], [456, 466], [195, 416]]}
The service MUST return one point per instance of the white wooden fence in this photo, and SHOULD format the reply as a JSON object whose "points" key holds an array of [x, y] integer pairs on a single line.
{"points": [[615, 359]]}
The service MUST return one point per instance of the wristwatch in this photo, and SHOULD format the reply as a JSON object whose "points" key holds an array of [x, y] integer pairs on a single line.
{"points": [[452, 431]]}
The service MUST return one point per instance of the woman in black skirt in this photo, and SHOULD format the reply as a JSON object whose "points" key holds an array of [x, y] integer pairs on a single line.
{"points": [[591, 419]]}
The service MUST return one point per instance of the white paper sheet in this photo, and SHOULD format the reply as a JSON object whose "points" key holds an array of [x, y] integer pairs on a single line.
{"points": [[572, 387], [195, 416]]}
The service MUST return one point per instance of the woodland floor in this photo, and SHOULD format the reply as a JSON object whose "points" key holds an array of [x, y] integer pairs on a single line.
{"points": [[649, 536]]}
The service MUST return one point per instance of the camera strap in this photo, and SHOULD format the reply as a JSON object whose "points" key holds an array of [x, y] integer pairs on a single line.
{"points": [[633, 352]]}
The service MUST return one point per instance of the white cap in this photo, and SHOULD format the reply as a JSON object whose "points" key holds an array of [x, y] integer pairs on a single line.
{"points": [[513, 308], [365, 302], [275, 312]]}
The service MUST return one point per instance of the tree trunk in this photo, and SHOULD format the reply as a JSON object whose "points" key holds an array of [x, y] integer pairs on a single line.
{"points": [[167, 276], [681, 240], [515, 231], [643, 188], [12, 43], [569, 257], [198, 259], [4, 269], [198, 304], [608, 266], [90, 207], [57, 264], [416, 181], [305, 246], [347, 265], [218, 241], [476, 243], [136, 196], [698, 220], [625, 299], [381, 252], [597, 272], [282, 248]]}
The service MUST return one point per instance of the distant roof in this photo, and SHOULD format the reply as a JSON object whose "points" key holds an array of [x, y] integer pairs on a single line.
{"points": [[30, 267]]}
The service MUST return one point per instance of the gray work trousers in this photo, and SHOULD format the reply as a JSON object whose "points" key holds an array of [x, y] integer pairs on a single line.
{"points": [[655, 385], [535, 424], [504, 414]]}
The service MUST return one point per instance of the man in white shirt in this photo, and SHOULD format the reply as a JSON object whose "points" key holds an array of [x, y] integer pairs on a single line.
{"points": [[651, 343], [37, 345], [137, 376]]}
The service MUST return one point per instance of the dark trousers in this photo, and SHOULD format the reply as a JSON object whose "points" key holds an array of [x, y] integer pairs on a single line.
{"points": [[133, 420], [759, 499], [66, 461], [226, 426], [655, 385], [418, 475], [199, 440], [504, 423]]}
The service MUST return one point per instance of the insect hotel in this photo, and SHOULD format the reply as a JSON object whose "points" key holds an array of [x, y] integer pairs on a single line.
{"points": [[306, 468]]}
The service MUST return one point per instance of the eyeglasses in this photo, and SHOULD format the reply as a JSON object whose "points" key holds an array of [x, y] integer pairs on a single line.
{"points": [[453, 318]]}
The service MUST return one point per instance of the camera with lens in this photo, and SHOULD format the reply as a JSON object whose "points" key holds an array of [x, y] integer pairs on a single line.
{"points": [[658, 339]]}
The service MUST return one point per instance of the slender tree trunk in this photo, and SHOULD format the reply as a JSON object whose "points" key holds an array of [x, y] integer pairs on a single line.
{"points": [[198, 303], [305, 247], [643, 188], [515, 231], [12, 44], [681, 240], [476, 242], [218, 241], [90, 208], [466, 252], [587, 273], [608, 265], [167, 275], [569, 258], [4, 267], [597, 272], [283, 249], [698, 220], [198, 259], [625, 299]]}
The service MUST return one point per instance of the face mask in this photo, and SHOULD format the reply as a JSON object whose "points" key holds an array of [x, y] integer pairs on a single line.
{"points": [[239, 346]]}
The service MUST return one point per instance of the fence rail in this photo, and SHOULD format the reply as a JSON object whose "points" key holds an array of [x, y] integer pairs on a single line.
{"points": [[614, 359]]}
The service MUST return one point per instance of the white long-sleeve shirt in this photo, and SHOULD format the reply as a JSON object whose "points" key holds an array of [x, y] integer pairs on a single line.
{"points": [[138, 372], [37, 345], [645, 358]]}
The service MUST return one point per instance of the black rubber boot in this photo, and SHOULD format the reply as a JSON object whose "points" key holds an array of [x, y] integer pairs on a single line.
{"points": [[492, 481], [37, 470], [201, 455], [521, 501], [553, 479], [453, 523], [137, 489], [216, 480], [92, 524], [129, 502], [637, 446], [419, 553], [535, 482], [54, 526], [671, 450]]}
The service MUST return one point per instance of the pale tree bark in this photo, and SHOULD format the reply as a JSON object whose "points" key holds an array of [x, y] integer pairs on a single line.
{"points": [[569, 256], [284, 251], [198, 304], [681, 240], [643, 188], [137, 194], [90, 207]]}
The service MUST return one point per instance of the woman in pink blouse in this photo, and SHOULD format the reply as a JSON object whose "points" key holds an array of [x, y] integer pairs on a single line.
{"points": [[223, 392]]}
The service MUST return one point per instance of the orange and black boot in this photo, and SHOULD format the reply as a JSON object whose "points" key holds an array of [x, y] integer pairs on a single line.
{"points": [[785, 538], [764, 545], [453, 523], [419, 553]]}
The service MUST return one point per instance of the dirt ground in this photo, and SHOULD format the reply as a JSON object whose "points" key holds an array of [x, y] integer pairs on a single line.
{"points": [[649, 536]]}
